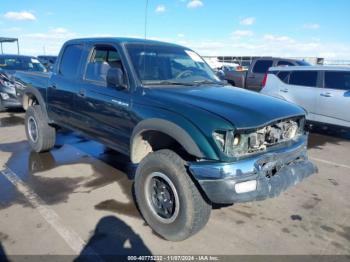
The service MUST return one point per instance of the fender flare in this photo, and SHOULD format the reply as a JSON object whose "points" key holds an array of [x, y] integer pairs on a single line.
{"points": [[30, 91], [168, 128]]}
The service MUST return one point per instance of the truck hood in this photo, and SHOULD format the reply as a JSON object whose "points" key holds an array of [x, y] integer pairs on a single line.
{"points": [[242, 108]]}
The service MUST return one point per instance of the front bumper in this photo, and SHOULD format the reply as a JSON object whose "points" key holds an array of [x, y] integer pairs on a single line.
{"points": [[274, 172]]}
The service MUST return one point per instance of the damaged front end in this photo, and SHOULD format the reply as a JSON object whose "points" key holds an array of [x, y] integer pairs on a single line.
{"points": [[241, 143], [268, 160]]}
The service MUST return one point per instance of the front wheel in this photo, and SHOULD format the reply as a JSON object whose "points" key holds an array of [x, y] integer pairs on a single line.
{"points": [[167, 197], [41, 136]]}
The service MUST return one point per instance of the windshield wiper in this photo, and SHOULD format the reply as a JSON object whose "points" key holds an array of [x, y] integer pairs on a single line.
{"points": [[207, 82], [167, 82]]}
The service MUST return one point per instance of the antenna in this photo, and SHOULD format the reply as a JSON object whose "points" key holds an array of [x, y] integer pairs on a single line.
{"points": [[146, 18]]}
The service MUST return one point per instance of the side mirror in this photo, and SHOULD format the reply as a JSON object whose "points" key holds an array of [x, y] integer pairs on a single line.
{"points": [[220, 74], [115, 78]]}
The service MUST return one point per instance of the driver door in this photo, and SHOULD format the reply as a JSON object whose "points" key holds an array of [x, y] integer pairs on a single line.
{"points": [[106, 110]]}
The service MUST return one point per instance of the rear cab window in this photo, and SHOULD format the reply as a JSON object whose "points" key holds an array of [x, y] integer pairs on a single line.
{"points": [[303, 78], [262, 66], [337, 80], [70, 60]]}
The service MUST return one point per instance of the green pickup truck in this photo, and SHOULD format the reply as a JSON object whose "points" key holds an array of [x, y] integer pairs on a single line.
{"points": [[196, 142]]}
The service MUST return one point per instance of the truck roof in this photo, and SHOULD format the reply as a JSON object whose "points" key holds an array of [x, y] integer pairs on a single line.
{"points": [[308, 68], [119, 40]]}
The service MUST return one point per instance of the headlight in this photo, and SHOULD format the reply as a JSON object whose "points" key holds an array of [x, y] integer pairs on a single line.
{"points": [[230, 143], [8, 84], [236, 145], [4, 96], [219, 137]]}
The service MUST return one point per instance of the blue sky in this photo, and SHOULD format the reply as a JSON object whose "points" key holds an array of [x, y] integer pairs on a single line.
{"points": [[211, 27]]}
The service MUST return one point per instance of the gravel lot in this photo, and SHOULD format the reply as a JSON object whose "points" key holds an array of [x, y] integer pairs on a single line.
{"points": [[78, 199]]}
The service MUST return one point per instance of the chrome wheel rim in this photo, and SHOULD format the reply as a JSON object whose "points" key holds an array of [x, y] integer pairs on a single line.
{"points": [[33, 129], [162, 197]]}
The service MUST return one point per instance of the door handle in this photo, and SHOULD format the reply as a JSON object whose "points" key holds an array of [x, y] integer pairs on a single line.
{"points": [[284, 90], [327, 94], [82, 93]]}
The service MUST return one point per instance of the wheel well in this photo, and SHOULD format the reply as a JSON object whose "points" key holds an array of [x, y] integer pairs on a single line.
{"points": [[151, 141], [29, 99]]}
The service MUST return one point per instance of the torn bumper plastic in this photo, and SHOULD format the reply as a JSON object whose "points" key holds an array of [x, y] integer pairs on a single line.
{"points": [[273, 172]]}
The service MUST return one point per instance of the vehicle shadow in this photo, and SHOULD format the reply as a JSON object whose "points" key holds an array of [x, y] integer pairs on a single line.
{"points": [[11, 120], [55, 187], [112, 240], [321, 134], [3, 256]]}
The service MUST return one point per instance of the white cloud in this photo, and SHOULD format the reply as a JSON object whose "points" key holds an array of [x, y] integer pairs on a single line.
{"points": [[11, 29], [58, 33], [247, 21], [160, 9], [266, 45], [195, 4], [59, 30], [242, 33], [312, 26], [180, 35], [20, 16], [278, 38]]}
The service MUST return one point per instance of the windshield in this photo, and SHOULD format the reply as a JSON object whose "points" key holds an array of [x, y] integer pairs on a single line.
{"points": [[303, 63], [157, 64], [21, 63]]}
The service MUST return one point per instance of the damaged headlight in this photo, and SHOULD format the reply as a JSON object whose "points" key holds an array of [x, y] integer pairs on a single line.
{"points": [[4, 96], [229, 142], [238, 144]]}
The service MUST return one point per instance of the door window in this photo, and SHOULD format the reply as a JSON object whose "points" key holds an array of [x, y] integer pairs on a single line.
{"points": [[337, 80], [303, 78], [283, 76], [101, 60], [70, 61], [262, 66]]}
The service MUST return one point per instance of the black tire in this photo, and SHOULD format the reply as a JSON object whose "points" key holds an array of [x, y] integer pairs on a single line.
{"points": [[45, 136], [193, 211]]}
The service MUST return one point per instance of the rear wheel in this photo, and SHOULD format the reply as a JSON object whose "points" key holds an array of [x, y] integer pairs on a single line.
{"points": [[167, 197], [41, 136]]}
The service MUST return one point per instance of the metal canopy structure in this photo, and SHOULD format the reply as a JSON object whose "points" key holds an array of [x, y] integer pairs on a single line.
{"points": [[8, 40]]}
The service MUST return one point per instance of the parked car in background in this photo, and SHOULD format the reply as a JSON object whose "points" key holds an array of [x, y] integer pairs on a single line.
{"points": [[324, 92], [194, 141], [48, 61], [9, 64], [253, 78]]}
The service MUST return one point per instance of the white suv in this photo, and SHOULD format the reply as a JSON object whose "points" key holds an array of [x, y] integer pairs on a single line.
{"points": [[324, 92]]}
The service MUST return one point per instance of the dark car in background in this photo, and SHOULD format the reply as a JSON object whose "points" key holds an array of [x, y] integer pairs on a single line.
{"points": [[253, 78], [9, 88], [48, 61]]}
